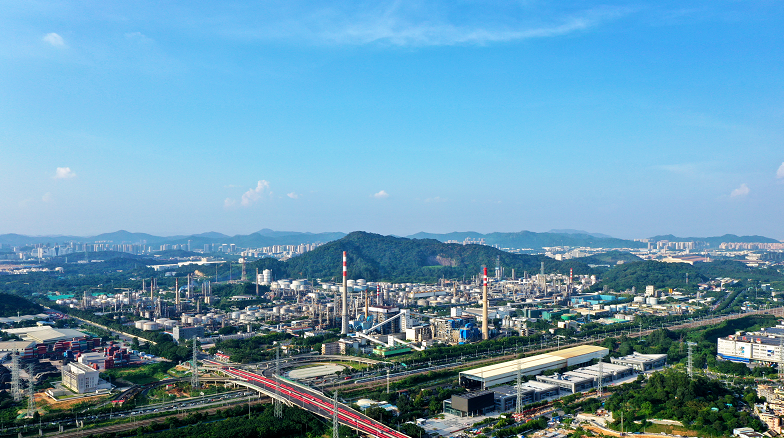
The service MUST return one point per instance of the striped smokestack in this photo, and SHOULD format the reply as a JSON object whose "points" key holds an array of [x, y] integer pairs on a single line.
{"points": [[344, 300], [485, 329]]}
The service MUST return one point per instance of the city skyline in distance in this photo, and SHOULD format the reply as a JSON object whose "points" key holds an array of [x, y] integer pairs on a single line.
{"points": [[626, 119]]}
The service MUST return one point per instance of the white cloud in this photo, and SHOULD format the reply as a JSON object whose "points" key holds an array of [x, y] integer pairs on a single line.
{"points": [[780, 172], [436, 199], [54, 39], [293, 195], [252, 195], [228, 203], [138, 37], [743, 190], [380, 195], [419, 24], [64, 173], [46, 197]]}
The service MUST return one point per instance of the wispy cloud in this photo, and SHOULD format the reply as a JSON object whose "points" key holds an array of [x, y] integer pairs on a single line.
{"points": [[64, 173], [741, 191], [380, 195], [293, 195], [46, 197], [420, 24], [229, 203], [435, 199], [261, 191], [780, 172], [54, 40]]}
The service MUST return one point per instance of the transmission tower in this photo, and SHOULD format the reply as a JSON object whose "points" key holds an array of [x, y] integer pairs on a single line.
{"points": [[16, 388], [30, 393], [781, 358], [277, 403], [601, 377], [519, 405], [689, 363], [195, 365], [335, 422]]}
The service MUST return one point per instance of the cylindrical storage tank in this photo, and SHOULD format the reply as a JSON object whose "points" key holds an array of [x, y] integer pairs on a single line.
{"points": [[196, 320], [140, 324], [168, 325], [151, 325], [276, 310], [361, 282], [235, 315], [422, 303], [161, 320], [639, 299], [653, 301]]}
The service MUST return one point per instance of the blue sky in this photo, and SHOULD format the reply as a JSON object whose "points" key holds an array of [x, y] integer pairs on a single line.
{"points": [[626, 118]]}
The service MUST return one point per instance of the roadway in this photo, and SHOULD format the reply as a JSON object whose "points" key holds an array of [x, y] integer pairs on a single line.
{"points": [[315, 402]]}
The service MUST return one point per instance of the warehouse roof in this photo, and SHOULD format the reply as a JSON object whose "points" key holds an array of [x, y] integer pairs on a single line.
{"points": [[45, 334], [534, 364], [568, 353], [16, 345]]}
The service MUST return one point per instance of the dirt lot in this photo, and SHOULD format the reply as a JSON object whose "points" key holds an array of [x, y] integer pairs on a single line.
{"points": [[42, 400]]}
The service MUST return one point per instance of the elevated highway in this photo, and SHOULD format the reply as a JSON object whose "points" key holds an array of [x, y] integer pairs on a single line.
{"points": [[313, 401]]}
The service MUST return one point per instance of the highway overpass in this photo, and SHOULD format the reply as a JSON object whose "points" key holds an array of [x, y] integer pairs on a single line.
{"points": [[306, 398]]}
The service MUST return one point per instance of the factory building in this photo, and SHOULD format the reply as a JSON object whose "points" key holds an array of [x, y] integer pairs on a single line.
{"points": [[470, 404], [185, 333], [505, 372], [506, 396], [383, 313], [750, 349], [641, 362], [80, 378]]}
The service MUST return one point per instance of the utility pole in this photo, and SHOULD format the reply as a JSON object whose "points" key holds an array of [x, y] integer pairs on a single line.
{"points": [[335, 421], [387, 381], [16, 388], [601, 377], [781, 358], [30, 393], [519, 405], [689, 365], [195, 365], [277, 403]]}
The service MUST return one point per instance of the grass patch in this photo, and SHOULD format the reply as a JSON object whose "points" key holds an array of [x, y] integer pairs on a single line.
{"points": [[144, 374]]}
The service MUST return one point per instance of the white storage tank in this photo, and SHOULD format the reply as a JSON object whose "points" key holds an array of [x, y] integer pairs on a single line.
{"points": [[151, 325], [140, 324], [653, 301], [168, 325], [639, 299], [235, 315]]}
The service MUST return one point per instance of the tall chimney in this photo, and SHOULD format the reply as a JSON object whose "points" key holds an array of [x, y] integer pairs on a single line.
{"points": [[485, 330], [177, 293], [344, 301]]}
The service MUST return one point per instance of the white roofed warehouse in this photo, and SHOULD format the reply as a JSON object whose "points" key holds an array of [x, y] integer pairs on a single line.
{"points": [[506, 372]]}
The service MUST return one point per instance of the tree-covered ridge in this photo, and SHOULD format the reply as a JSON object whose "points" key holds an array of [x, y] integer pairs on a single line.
{"points": [[699, 403], [376, 257], [609, 258], [673, 275], [13, 305]]}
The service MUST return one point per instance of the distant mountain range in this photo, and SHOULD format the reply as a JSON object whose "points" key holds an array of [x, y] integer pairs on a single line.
{"points": [[533, 240], [268, 237], [717, 240]]}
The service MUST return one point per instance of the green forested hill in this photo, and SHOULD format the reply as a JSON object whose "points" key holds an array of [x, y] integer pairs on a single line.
{"points": [[672, 275], [376, 257], [11, 304], [609, 258]]}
